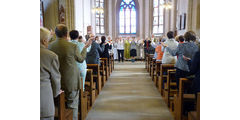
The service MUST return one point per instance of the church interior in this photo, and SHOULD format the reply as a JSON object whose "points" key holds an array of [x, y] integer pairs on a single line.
{"points": [[136, 78], [119, 60]]}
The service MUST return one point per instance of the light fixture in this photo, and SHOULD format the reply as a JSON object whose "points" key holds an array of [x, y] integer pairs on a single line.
{"points": [[98, 10], [167, 5]]}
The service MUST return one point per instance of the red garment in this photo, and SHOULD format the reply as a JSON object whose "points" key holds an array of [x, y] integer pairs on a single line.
{"points": [[159, 52], [147, 44]]}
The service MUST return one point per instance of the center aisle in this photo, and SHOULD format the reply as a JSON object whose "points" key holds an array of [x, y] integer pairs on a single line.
{"points": [[129, 94]]}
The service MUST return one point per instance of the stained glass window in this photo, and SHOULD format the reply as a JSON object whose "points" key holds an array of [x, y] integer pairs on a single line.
{"points": [[99, 17], [158, 16], [127, 17]]}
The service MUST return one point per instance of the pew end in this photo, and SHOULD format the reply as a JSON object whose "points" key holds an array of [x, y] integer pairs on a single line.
{"points": [[61, 112], [163, 69], [181, 98], [96, 76], [195, 115]]}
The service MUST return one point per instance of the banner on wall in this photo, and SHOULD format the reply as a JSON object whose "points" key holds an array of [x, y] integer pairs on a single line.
{"points": [[62, 11]]}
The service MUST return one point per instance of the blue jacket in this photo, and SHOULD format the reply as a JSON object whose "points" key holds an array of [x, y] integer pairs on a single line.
{"points": [[80, 45]]}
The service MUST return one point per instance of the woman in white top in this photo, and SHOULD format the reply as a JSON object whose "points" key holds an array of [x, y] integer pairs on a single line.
{"points": [[115, 52], [120, 49], [172, 44]]}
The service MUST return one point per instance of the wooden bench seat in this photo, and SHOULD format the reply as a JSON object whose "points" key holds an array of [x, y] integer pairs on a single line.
{"points": [[83, 96], [181, 98], [103, 72], [146, 61], [157, 72], [96, 76], [90, 86], [106, 68], [170, 87], [153, 71], [112, 61], [163, 69], [195, 115], [61, 112], [150, 63]]}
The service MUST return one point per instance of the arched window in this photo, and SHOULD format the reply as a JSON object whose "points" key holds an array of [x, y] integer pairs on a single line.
{"points": [[127, 17], [99, 17], [158, 16]]}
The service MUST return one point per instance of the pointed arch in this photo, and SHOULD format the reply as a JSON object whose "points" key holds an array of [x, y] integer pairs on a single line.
{"points": [[127, 17]]}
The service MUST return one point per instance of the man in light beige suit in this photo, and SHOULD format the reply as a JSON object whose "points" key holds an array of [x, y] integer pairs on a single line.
{"points": [[49, 77], [69, 54]]}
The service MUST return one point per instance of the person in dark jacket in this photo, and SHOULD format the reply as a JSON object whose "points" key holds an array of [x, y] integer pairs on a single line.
{"points": [[94, 54], [194, 66], [105, 53], [147, 44]]}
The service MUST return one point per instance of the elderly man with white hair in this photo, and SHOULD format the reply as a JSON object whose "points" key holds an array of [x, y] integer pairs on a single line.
{"points": [[49, 77]]}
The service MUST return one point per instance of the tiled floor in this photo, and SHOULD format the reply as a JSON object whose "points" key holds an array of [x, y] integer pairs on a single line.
{"points": [[129, 94]]}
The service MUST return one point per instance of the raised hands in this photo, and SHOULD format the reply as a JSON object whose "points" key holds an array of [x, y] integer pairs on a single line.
{"points": [[89, 42]]}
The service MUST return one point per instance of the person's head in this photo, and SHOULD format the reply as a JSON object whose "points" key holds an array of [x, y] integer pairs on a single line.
{"points": [[103, 39], [96, 38], [74, 34], [181, 38], [44, 36], [177, 38], [109, 38], [80, 38], [61, 31], [190, 36], [170, 34], [152, 35]]}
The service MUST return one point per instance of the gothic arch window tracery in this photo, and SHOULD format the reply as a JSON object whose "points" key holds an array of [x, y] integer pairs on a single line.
{"points": [[127, 17]]}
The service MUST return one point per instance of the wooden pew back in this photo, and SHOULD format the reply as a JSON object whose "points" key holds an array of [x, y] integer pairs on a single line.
{"points": [[164, 69], [153, 70], [181, 97], [96, 75], [195, 115], [169, 91], [157, 72], [61, 113], [83, 103], [106, 67], [103, 72]]}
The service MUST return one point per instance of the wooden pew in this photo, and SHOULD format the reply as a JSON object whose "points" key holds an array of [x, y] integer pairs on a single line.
{"points": [[146, 61], [106, 67], [164, 68], [150, 59], [195, 115], [170, 87], [110, 64], [103, 72], [157, 72], [90, 87], [180, 98], [61, 112], [96, 76], [83, 109], [112, 60], [153, 69], [109, 67]]}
